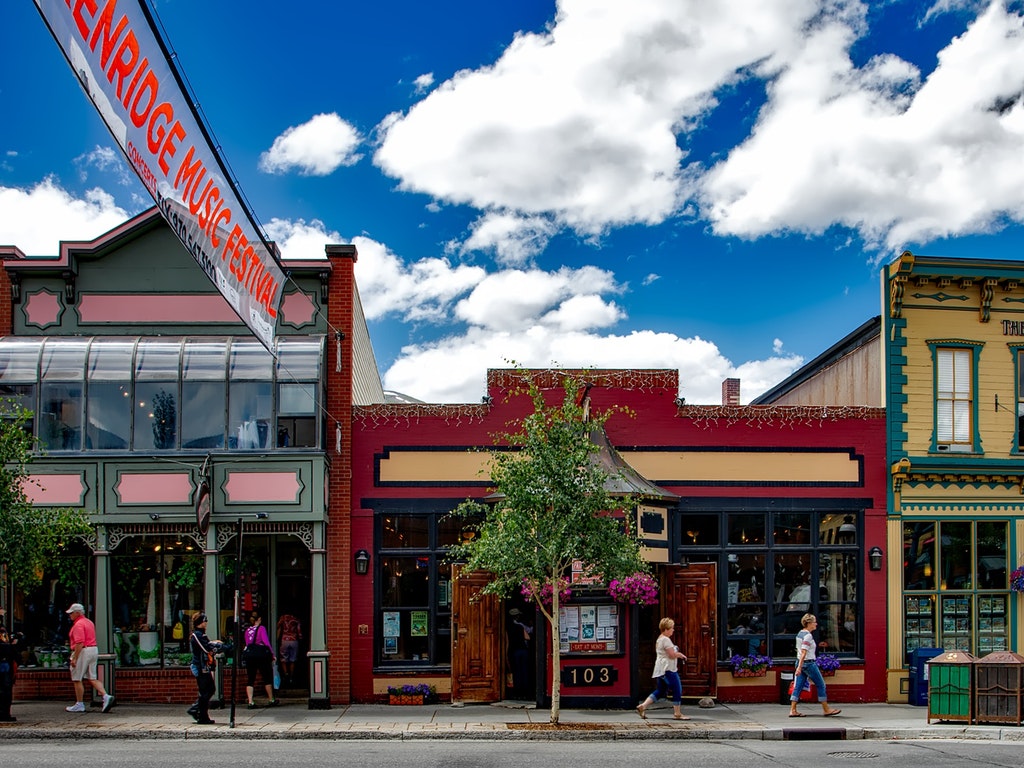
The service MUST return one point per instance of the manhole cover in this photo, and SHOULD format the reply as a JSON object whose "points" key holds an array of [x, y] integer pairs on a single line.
{"points": [[852, 754]]}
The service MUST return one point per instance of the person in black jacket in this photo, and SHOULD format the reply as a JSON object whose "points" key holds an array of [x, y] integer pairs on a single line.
{"points": [[10, 651], [203, 666]]}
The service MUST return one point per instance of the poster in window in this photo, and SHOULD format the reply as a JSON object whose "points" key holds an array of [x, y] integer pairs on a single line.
{"points": [[443, 595], [392, 625], [390, 646], [418, 624], [588, 622], [607, 615]]}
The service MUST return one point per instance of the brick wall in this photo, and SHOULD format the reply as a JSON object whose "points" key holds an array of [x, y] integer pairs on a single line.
{"points": [[339, 533]]}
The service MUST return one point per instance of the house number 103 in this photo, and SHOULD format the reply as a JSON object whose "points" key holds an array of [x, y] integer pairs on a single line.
{"points": [[589, 676]]}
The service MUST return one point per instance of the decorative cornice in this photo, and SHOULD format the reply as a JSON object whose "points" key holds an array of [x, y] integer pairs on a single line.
{"points": [[761, 416]]}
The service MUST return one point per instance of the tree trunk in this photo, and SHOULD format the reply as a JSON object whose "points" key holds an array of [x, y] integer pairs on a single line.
{"points": [[556, 657]]}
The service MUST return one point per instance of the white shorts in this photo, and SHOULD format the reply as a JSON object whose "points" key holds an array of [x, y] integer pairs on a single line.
{"points": [[85, 664]]}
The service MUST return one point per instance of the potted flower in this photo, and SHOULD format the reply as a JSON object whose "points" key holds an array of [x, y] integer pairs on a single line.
{"points": [[1017, 579], [421, 693], [638, 589], [752, 665], [828, 663]]}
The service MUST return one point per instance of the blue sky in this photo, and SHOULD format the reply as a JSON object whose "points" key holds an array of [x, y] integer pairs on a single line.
{"points": [[711, 187]]}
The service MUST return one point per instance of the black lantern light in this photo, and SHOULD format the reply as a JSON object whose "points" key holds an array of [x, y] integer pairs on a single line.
{"points": [[362, 562], [875, 558]]}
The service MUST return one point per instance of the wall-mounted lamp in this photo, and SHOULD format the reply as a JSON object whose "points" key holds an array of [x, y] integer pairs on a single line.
{"points": [[325, 286], [154, 516], [362, 562], [875, 558], [15, 288], [69, 287]]}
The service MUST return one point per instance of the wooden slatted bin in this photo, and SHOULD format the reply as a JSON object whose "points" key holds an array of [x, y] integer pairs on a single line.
{"points": [[950, 687], [999, 688]]}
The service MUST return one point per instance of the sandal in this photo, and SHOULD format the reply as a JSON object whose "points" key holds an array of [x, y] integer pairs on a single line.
{"points": [[681, 717], [797, 714], [833, 712], [640, 711]]}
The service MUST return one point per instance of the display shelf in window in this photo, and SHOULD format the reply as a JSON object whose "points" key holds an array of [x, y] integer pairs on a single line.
{"points": [[919, 623]]}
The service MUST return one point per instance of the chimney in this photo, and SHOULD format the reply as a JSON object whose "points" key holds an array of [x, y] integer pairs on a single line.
{"points": [[731, 392]]}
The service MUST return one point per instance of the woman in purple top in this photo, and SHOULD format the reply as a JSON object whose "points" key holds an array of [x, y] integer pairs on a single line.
{"points": [[259, 657]]}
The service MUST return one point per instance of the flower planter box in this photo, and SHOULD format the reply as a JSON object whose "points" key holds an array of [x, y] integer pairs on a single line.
{"points": [[828, 673], [405, 699], [750, 672]]}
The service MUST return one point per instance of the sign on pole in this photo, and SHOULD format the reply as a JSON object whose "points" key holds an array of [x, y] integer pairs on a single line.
{"points": [[122, 63]]}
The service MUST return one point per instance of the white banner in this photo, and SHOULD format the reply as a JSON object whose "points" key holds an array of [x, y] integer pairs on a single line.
{"points": [[121, 62]]}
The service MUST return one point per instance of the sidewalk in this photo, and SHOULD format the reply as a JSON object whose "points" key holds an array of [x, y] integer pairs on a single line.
{"points": [[505, 721]]}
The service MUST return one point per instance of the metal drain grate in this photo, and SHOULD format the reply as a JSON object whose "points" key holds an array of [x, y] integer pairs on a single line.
{"points": [[865, 755]]}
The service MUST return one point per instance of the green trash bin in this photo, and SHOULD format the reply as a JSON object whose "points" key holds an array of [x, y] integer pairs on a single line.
{"points": [[951, 687]]}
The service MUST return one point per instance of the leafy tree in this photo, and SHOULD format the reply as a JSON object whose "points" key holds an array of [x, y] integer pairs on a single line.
{"points": [[30, 537], [553, 509]]}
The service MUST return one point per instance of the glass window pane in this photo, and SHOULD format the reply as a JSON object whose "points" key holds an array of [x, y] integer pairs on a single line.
{"points": [[837, 628], [838, 529], [405, 532], [19, 361], [405, 581], [746, 528], [297, 399], [700, 530], [156, 415], [746, 629], [204, 360], [792, 582], [250, 361], [203, 405], [250, 412], [837, 576], [109, 415], [746, 579], [111, 360], [919, 556], [64, 360], [157, 360], [991, 553], [955, 555], [60, 418], [299, 360], [792, 528], [452, 529]]}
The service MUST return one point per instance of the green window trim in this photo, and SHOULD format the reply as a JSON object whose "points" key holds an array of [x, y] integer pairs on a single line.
{"points": [[974, 347]]}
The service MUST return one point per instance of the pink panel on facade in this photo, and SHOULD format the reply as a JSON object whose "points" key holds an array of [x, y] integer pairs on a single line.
{"points": [[124, 308], [318, 676], [54, 490], [154, 488], [249, 487], [42, 309], [297, 309]]}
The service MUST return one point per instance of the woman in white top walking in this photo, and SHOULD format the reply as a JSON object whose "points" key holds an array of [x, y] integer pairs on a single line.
{"points": [[807, 668], [666, 672]]}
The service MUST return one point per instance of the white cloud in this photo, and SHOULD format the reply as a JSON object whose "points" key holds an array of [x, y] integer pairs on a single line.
{"points": [[37, 219], [424, 82], [514, 239], [315, 148], [579, 123], [878, 150], [651, 278], [106, 160]]}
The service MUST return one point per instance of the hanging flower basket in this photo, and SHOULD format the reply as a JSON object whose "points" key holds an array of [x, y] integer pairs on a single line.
{"points": [[638, 589], [1017, 579], [564, 592], [754, 665]]}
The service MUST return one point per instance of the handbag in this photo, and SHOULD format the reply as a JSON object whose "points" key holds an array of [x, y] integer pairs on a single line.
{"points": [[277, 677], [805, 694]]}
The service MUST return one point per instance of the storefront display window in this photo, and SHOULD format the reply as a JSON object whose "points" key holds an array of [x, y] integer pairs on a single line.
{"points": [[415, 591], [776, 567], [157, 583], [586, 629], [955, 586]]}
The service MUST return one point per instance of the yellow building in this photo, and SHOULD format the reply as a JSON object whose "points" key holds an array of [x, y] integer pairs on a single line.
{"points": [[953, 337]]}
